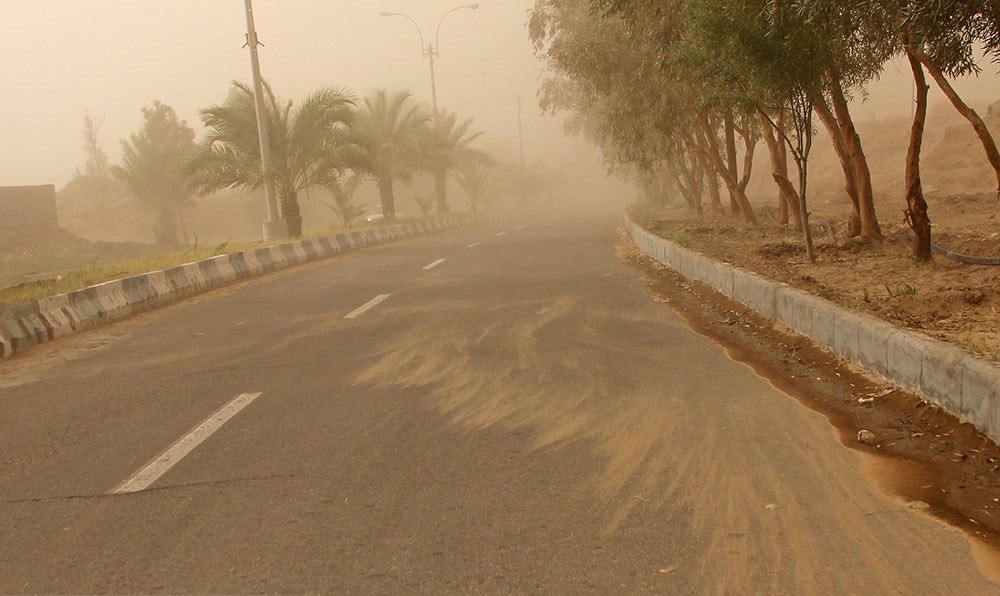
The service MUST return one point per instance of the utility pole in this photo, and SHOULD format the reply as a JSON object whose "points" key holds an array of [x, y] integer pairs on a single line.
{"points": [[523, 199], [430, 52], [274, 228]]}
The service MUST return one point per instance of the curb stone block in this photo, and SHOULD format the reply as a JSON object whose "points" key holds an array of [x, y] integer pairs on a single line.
{"points": [[824, 317], [873, 344], [794, 308], [941, 377], [755, 292], [25, 325], [980, 391], [905, 358]]}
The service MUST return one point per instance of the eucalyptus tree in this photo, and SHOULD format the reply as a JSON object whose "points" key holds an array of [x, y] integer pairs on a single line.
{"points": [[944, 36], [445, 145], [154, 167], [390, 125], [311, 145]]}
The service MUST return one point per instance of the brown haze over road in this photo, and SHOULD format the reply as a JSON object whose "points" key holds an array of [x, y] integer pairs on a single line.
{"points": [[524, 416], [112, 57]]}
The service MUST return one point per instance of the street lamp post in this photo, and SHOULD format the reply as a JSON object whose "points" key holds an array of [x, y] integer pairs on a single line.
{"points": [[430, 51], [520, 126], [274, 227]]}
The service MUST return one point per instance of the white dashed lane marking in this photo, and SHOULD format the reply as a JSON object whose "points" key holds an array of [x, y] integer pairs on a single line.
{"points": [[434, 264], [501, 233], [367, 306], [142, 479], [473, 245]]}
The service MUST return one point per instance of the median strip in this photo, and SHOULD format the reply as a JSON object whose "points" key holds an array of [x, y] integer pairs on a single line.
{"points": [[142, 479], [367, 306]]}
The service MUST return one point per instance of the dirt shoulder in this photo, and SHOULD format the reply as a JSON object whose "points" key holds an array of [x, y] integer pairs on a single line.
{"points": [[944, 299], [931, 461]]}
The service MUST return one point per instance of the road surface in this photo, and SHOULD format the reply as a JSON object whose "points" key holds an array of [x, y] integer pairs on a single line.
{"points": [[501, 408]]}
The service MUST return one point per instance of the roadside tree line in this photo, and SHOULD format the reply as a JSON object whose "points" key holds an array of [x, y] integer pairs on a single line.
{"points": [[669, 89], [330, 140]]}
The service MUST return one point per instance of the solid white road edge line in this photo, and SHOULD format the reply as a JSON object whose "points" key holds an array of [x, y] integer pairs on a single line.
{"points": [[434, 264], [367, 306], [142, 479], [473, 245]]}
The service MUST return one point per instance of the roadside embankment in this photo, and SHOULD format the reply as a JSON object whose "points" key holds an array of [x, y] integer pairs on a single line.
{"points": [[966, 386], [23, 326]]}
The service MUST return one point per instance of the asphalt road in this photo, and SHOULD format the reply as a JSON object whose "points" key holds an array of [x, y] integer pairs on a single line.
{"points": [[523, 416]]}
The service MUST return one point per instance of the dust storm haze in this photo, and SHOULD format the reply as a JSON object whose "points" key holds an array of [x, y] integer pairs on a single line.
{"points": [[64, 58]]}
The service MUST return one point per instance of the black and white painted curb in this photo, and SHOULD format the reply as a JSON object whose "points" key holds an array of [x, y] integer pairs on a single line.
{"points": [[941, 373], [23, 326]]}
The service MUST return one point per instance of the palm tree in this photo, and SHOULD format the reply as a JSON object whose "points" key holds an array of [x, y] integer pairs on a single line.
{"points": [[311, 145], [475, 177], [445, 147], [343, 200], [154, 167], [388, 124]]}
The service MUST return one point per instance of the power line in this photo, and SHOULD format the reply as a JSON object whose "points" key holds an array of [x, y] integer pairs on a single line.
{"points": [[396, 45], [376, 24]]}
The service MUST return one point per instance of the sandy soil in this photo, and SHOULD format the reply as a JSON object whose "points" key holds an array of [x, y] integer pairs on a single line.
{"points": [[944, 299]]}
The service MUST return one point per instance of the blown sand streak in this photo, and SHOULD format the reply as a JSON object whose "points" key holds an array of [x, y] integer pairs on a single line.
{"points": [[757, 484]]}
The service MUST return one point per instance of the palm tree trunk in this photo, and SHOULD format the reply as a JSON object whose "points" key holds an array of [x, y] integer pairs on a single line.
{"points": [[386, 197], [290, 212], [441, 190]]}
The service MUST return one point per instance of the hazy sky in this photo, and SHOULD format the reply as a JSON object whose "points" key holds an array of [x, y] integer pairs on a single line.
{"points": [[60, 57]]}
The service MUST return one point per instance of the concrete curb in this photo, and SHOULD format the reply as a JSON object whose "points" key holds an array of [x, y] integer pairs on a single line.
{"points": [[943, 374], [24, 326]]}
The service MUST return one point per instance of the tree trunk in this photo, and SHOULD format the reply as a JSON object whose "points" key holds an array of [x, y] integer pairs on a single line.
{"points": [[441, 190], [166, 226], [732, 185], [968, 113], [788, 196], [859, 162], [386, 197], [916, 211], [734, 204], [850, 182], [683, 182], [184, 230], [290, 213]]}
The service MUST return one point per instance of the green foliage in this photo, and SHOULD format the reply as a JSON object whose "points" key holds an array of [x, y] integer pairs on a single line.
{"points": [[311, 144], [343, 201], [154, 167], [476, 177], [426, 204], [389, 125], [444, 145]]}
